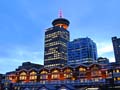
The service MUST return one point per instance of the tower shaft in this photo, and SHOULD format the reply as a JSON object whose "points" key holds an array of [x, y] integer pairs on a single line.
{"points": [[56, 39]]}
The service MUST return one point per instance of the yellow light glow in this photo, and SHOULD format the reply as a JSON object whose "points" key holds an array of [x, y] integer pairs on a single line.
{"points": [[62, 25], [82, 69], [117, 71]]}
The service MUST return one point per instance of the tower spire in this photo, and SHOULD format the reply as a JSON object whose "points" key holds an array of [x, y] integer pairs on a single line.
{"points": [[60, 13]]}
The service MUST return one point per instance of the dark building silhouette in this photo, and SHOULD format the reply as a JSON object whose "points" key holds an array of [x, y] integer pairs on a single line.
{"points": [[2, 77], [103, 60], [116, 46], [56, 39], [29, 65]]}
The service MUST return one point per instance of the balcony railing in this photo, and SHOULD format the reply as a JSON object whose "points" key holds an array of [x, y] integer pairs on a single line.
{"points": [[73, 82]]}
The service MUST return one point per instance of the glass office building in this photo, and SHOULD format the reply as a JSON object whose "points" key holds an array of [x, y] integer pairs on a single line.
{"points": [[82, 50]]}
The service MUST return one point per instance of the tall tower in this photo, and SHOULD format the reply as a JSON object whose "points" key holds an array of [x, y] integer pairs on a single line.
{"points": [[56, 39], [116, 46]]}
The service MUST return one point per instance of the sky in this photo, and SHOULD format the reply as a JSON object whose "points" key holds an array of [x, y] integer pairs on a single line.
{"points": [[23, 24]]}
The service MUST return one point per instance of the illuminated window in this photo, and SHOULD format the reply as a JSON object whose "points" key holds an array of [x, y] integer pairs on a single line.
{"points": [[33, 75], [44, 72], [55, 74], [10, 77], [43, 75], [55, 71], [82, 69], [23, 76], [68, 75], [96, 79], [67, 70], [117, 71], [118, 78], [106, 72]]}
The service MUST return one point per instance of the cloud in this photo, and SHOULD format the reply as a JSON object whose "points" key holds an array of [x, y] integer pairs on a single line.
{"points": [[112, 59], [28, 54], [16, 56], [104, 48]]}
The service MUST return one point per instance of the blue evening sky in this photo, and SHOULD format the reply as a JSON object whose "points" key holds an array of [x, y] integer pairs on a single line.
{"points": [[23, 24]]}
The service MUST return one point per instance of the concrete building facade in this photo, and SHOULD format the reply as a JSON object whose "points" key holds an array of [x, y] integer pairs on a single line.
{"points": [[56, 39]]}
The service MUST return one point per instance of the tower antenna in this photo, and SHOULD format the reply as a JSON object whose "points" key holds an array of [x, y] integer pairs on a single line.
{"points": [[60, 13]]}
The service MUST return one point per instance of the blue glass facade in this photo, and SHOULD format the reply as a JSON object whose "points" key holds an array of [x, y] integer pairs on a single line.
{"points": [[81, 50]]}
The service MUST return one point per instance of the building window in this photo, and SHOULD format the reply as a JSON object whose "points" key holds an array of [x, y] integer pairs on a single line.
{"points": [[33, 75], [67, 73], [96, 79], [117, 71], [23, 76], [44, 75], [55, 71], [82, 69], [118, 78], [44, 72], [55, 74], [10, 77]]}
